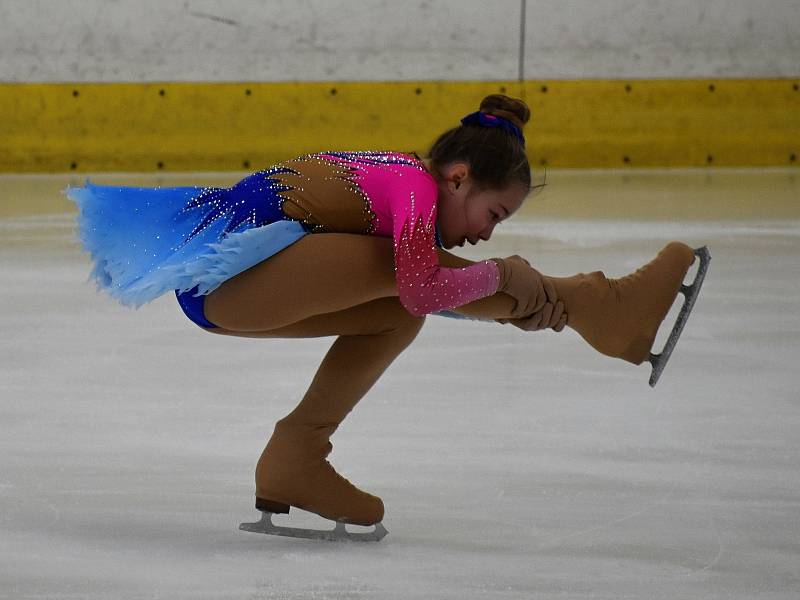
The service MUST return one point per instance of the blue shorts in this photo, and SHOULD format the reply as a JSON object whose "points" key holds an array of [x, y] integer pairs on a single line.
{"points": [[193, 308]]}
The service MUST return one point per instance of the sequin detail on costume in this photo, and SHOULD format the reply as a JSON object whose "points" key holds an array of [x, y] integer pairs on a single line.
{"points": [[323, 194], [253, 202], [374, 174], [423, 285]]}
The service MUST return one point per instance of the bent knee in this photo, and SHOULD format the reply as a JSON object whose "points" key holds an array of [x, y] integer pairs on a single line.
{"points": [[398, 319]]}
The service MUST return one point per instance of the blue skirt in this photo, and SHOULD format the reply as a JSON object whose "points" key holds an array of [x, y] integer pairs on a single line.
{"points": [[147, 241]]}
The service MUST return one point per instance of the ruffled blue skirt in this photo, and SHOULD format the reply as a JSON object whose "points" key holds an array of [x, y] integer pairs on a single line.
{"points": [[147, 241]]}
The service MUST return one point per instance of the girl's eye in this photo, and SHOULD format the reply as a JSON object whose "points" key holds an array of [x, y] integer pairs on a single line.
{"points": [[495, 217]]}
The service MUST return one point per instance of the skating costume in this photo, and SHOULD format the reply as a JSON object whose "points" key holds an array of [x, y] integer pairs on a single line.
{"points": [[148, 241]]}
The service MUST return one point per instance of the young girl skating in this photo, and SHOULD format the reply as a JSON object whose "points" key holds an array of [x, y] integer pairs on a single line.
{"points": [[354, 245]]}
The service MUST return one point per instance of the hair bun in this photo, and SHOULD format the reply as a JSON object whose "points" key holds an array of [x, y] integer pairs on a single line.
{"points": [[511, 109]]}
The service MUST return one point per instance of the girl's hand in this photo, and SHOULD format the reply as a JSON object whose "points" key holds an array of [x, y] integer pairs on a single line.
{"points": [[550, 317], [525, 285]]}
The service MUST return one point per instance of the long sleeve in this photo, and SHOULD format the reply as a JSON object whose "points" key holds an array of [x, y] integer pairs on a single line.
{"points": [[423, 285]]}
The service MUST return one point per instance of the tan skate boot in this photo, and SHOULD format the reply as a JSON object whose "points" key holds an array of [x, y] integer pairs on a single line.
{"points": [[620, 317], [293, 471]]}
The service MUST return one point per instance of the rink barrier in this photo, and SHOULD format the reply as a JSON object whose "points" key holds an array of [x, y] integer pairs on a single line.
{"points": [[171, 126]]}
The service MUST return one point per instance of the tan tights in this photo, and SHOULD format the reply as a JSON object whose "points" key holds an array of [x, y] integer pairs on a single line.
{"points": [[344, 285]]}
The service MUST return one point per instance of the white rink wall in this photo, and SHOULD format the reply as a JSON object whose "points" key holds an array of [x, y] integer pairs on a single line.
{"points": [[374, 40]]}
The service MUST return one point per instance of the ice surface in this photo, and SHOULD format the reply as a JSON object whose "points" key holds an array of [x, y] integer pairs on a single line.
{"points": [[512, 465]]}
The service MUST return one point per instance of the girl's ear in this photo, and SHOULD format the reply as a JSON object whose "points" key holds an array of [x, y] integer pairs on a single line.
{"points": [[455, 174]]}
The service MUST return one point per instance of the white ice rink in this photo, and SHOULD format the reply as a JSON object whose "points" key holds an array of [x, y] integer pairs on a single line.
{"points": [[512, 465]]}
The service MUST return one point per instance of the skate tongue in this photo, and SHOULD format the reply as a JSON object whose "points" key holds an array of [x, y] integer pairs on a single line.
{"points": [[338, 534]]}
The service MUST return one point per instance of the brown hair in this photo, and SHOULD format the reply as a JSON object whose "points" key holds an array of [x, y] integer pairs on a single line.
{"points": [[495, 156]]}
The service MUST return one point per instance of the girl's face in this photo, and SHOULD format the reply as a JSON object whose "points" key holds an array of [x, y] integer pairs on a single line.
{"points": [[469, 214]]}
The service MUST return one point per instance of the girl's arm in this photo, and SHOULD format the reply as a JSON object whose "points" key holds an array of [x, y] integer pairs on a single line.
{"points": [[497, 306], [500, 306], [424, 286]]}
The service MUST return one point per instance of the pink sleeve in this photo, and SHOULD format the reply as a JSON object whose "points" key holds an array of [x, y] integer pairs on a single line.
{"points": [[424, 286]]}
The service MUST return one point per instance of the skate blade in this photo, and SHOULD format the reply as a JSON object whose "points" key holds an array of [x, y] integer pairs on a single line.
{"points": [[338, 534], [659, 361]]}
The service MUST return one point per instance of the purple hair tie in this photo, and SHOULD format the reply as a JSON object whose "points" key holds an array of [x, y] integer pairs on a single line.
{"points": [[487, 120]]}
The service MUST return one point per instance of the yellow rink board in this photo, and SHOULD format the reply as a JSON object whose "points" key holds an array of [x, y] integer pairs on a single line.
{"points": [[246, 126]]}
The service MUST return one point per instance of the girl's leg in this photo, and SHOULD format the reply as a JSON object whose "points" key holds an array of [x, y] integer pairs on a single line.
{"points": [[323, 285], [617, 317], [292, 469], [321, 273]]}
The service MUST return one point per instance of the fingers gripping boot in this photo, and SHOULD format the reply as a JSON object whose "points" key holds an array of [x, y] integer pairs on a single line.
{"points": [[293, 471], [620, 317]]}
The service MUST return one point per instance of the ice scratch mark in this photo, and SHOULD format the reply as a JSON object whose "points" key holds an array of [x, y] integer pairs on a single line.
{"points": [[215, 18], [715, 560], [56, 514], [632, 515]]}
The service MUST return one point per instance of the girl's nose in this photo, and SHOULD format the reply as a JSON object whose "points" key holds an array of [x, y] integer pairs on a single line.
{"points": [[487, 232]]}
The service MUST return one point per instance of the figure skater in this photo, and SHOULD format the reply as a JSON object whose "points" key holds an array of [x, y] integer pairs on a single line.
{"points": [[354, 245]]}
